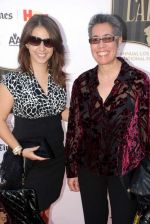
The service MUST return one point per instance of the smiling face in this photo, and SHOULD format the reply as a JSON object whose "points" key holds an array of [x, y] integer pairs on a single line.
{"points": [[104, 53], [40, 54]]}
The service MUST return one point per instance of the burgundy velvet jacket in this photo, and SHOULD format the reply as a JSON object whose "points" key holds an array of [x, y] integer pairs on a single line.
{"points": [[109, 138]]}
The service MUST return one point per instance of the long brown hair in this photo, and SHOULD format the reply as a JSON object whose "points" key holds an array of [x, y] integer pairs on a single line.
{"points": [[57, 61]]}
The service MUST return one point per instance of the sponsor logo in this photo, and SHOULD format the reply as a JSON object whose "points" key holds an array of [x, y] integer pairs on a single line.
{"points": [[6, 15], [136, 15], [14, 40], [28, 13]]}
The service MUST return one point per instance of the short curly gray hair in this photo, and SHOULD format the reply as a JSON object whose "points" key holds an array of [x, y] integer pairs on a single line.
{"points": [[113, 20]]}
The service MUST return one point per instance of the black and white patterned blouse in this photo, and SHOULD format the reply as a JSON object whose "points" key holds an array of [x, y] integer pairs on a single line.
{"points": [[30, 101]]}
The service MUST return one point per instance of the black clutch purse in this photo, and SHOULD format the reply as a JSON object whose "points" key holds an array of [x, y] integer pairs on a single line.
{"points": [[44, 149]]}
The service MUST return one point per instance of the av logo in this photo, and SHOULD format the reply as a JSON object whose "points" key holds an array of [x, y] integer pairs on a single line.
{"points": [[14, 40]]}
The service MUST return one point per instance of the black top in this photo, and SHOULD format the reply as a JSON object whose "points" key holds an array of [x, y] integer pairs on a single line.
{"points": [[110, 137]]}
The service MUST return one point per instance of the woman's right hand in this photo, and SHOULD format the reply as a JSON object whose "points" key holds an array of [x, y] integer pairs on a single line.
{"points": [[29, 154], [73, 184]]}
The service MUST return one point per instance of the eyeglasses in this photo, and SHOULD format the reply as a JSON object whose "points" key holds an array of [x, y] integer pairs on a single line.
{"points": [[104, 39], [36, 41]]}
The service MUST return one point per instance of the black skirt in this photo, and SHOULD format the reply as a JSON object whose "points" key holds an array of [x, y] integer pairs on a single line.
{"points": [[46, 177]]}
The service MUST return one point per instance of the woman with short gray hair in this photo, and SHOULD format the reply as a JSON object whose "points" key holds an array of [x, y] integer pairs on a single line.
{"points": [[107, 134]]}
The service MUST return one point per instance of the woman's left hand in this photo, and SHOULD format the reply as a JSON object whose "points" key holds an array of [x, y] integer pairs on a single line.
{"points": [[29, 154]]}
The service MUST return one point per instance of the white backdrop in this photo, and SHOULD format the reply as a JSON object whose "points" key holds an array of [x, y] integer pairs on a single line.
{"points": [[73, 17]]}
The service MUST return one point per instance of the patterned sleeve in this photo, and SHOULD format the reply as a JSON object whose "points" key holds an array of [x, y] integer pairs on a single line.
{"points": [[74, 133], [10, 81], [145, 116]]}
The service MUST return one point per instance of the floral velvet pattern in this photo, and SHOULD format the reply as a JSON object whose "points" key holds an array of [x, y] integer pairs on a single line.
{"points": [[111, 137]]}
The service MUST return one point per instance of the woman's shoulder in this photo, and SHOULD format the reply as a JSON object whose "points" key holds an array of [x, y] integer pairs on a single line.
{"points": [[140, 76], [9, 77], [87, 76], [137, 74], [14, 76], [12, 80]]}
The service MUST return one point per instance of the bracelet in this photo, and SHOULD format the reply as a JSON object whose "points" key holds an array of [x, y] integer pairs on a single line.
{"points": [[17, 150]]}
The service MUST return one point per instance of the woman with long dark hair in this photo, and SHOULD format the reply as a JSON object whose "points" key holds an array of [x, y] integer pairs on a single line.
{"points": [[36, 93]]}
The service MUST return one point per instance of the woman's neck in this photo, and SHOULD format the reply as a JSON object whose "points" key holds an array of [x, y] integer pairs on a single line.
{"points": [[109, 71], [40, 70]]}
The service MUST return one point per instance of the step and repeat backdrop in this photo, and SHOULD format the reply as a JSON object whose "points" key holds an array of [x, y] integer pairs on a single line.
{"points": [[73, 17]]}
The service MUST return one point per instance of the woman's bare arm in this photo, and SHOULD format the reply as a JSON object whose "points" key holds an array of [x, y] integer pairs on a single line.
{"points": [[65, 114], [6, 104]]}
